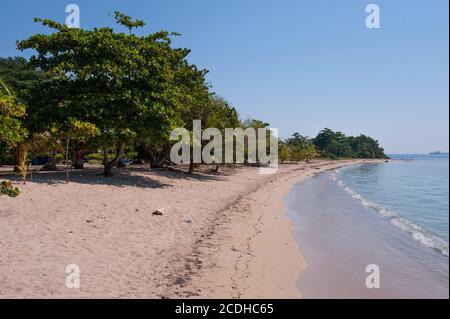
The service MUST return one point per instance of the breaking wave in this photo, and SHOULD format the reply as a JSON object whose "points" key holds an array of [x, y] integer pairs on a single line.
{"points": [[420, 234]]}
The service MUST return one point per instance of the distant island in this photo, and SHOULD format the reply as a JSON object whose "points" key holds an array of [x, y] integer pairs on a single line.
{"points": [[438, 153]]}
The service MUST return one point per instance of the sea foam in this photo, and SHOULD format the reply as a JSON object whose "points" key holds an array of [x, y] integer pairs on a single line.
{"points": [[417, 232]]}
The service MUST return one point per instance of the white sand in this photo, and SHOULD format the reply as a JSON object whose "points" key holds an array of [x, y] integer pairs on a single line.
{"points": [[221, 235]]}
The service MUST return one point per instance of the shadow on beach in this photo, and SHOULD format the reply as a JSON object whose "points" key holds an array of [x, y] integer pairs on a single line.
{"points": [[142, 177]]}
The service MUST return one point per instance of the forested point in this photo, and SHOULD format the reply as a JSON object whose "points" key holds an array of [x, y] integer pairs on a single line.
{"points": [[109, 98]]}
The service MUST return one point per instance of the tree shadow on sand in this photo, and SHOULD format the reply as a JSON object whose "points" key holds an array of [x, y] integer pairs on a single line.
{"points": [[142, 177], [206, 173]]}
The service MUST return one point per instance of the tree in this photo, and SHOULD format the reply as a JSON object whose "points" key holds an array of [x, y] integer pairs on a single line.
{"points": [[194, 103], [258, 124], [300, 148], [19, 75], [284, 152], [12, 132], [11, 115], [297, 140], [130, 87], [221, 115], [310, 152], [336, 145], [22, 78], [366, 147], [77, 130]]}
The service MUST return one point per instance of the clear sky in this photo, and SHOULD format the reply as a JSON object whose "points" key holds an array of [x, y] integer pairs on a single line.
{"points": [[300, 65]]}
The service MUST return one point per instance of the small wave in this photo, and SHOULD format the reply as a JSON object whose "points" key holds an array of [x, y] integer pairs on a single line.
{"points": [[333, 175], [420, 234]]}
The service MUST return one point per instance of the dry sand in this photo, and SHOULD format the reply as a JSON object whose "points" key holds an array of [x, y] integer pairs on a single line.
{"points": [[221, 235]]}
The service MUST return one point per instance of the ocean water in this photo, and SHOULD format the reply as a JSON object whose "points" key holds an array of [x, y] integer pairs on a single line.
{"points": [[394, 215], [412, 192]]}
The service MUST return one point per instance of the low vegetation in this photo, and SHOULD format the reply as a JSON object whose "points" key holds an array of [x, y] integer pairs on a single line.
{"points": [[6, 188]]}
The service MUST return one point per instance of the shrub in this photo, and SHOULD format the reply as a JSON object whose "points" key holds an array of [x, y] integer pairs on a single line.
{"points": [[96, 162], [59, 158], [6, 188], [94, 157]]}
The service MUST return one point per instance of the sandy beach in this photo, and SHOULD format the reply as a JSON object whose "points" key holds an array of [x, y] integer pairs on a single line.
{"points": [[220, 235]]}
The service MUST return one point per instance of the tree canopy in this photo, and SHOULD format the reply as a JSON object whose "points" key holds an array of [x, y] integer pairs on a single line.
{"points": [[130, 87], [11, 114], [19, 75], [336, 145], [118, 93]]}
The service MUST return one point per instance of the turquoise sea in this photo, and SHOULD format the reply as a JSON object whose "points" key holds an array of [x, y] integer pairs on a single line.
{"points": [[394, 215]]}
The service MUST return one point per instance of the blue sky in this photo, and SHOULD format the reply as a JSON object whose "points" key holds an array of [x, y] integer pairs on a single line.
{"points": [[300, 65]]}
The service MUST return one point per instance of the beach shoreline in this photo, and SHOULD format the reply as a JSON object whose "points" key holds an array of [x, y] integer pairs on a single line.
{"points": [[348, 220], [266, 258], [221, 235]]}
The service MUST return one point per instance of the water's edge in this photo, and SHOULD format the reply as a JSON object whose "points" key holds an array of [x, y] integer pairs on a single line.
{"points": [[339, 233]]}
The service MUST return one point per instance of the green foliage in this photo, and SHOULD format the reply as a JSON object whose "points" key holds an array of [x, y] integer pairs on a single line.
{"points": [[6, 188], [59, 158], [11, 115], [220, 114], [20, 76], [366, 147], [284, 153], [22, 159], [6, 152], [328, 144], [98, 157], [336, 145], [296, 148], [44, 144], [127, 21], [17, 81], [130, 87], [254, 123], [130, 155], [81, 130], [119, 92]]}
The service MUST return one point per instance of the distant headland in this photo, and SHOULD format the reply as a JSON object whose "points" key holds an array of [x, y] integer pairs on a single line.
{"points": [[438, 153]]}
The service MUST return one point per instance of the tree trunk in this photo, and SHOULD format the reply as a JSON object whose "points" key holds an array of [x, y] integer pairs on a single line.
{"points": [[67, 160], [157, 157], [120, 163], [17, 159], [105, 156], [107, 170], [152, 159], [191, 163], [22, 151]]}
